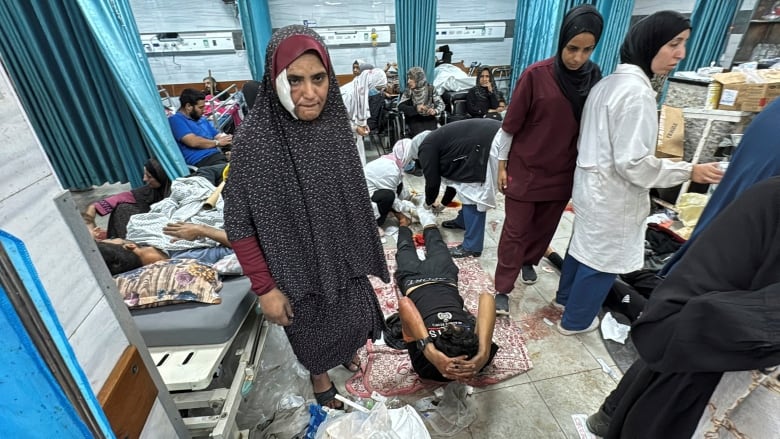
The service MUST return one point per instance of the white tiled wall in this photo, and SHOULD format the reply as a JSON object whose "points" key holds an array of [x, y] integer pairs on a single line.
{"points": [[154, 16]]}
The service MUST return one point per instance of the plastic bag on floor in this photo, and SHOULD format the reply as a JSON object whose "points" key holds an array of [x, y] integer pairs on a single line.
{"points": [[454, 412], [379, 423], [279, 390]]}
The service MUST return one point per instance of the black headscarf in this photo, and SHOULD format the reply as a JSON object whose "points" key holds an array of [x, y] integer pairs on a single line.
{"points": [[576, 84], [145, 196], [298, 186], [646, 38]]}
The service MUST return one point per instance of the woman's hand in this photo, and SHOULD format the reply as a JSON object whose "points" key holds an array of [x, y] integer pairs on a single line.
{"points": [[183, 231], [276, 308], [502, 179], [422, 109], [362, 131], [707, 173], [431, 112]]}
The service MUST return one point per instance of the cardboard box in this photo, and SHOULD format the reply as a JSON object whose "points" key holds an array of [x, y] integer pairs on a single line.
{"points": [[741, 96]]}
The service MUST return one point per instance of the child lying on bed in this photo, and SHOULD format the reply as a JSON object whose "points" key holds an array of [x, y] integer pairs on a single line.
{"points": [[448, 343]]}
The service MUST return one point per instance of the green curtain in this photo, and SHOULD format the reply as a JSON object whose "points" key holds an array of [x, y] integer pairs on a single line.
{"points": [[256, 25], [83, 79], [617, 18], [711, 22], [415, 30]]}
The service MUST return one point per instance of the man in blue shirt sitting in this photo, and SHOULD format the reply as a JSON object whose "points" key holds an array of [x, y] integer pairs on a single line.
{"points": [[198, 140]]}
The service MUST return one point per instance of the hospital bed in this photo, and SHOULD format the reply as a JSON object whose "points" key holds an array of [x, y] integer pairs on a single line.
{"points": [[192, 342]]}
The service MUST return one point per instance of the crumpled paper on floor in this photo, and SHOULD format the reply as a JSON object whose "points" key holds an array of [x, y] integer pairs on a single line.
{"points": [[611, 329]]}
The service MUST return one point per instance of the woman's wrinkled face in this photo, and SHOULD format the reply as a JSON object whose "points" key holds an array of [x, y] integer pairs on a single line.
{"points": [[411, 83], [308, 86], [670, 54], [578, 50]]}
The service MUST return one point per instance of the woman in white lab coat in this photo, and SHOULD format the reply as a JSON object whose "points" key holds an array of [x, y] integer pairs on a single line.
{"points": [[616, 167]]}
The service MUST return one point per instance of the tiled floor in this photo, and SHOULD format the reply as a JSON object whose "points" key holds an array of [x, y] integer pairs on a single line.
{"points": [[566, 378]]}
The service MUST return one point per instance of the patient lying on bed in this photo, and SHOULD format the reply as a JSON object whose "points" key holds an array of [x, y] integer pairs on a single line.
{"points": [[176, 227]]}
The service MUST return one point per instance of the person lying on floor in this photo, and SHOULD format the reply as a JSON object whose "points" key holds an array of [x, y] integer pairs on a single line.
{"points": [[717, 311], [450, 344], [177, 226]]}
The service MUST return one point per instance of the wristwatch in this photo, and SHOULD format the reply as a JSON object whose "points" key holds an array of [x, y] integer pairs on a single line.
{"points": [[423, 342]]}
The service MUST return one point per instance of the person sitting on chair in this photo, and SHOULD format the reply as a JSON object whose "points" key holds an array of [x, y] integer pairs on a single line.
{"points": [[198, 140], [420, 103], [449, 343], [484, 99]]}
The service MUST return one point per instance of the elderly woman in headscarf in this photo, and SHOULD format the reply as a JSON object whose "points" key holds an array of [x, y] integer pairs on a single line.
{"points": [[538, 141], [126, 204], [617, 166], [294, 170], [420, 103], [356, 98], [385, 177], [484, 99]]}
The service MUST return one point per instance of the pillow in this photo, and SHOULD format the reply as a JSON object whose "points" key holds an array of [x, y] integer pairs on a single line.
{"points": [[228, 265], [168, 282]]}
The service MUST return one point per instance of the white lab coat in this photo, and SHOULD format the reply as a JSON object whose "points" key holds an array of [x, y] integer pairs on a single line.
{"points": [[383, 173], [616, 167]]}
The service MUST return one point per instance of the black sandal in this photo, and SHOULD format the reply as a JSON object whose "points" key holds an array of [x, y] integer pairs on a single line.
{"points": [[350, 364], [328, 396]]}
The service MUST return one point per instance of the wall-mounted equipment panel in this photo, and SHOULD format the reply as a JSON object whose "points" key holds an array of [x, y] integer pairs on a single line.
{"points": [[448, 32], [355, 35], [190, 43]]}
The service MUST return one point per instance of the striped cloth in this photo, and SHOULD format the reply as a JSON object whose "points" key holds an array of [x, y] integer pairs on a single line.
{"points": [[185, 204]]}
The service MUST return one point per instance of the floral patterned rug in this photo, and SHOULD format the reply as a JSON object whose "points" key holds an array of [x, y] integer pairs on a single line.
{"points": [[389, 371]]}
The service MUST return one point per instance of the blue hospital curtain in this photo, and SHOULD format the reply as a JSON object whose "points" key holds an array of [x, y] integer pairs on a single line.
{"points": [[32, 398], [711, 22], [256, 25], [117, 36], [415, 34], [617, 18], [95, 126], [532, 43]]}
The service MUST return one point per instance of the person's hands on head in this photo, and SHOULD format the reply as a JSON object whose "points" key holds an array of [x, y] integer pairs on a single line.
{"points": [[465, 369], [707, 173], [447, 367], [183, 231], [276, 307]]}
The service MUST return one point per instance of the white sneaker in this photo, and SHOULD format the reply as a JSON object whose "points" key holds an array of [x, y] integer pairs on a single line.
{"points": [[426, 217], [593, 326]]}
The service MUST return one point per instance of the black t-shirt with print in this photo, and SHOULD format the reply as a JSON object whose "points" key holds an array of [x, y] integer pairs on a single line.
{"points": [[439, 305]]}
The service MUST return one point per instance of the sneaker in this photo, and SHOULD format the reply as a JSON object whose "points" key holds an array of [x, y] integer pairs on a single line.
{"points": [[556, 260], [598, 423], [593, 326], [557, 306], [502, 304], [528, 275], [460, 252], [451, 224]]}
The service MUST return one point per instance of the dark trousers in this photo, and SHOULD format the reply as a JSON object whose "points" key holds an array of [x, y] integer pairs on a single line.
{"points": [[214, 159], [528, 229], [419, 123], [437, 266], [384, 202]]}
